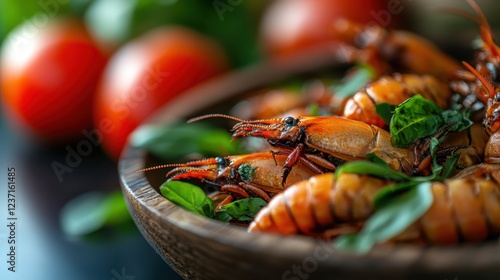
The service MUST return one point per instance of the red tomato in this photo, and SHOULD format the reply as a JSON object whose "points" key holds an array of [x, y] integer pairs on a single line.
{"points": [[48, 74], [147, 73], [290, 26]]}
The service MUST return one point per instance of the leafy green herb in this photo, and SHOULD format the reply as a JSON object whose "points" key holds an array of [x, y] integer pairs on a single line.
{"points": [[392, 218], [385, 111], [243, 210], [450, 166], [222, 216], [194, 199], [358, 79], [188, 196], [374, 158], [174, 141], [371, 168], [459, 119], [385, 195], [413, 119], [440, 172], [418, 117], [434, 146], [246, 172]]}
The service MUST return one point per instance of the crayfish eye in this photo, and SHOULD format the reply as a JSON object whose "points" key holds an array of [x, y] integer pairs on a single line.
{"points": [[221, 161], [290, 121], [496, 98]]}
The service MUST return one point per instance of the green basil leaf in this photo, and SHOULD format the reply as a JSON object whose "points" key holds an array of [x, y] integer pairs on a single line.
{"points": [[460, 119], [177, 140], [417, 118], [354, 242], [385, 195], [406, 132], [188, 196], [413, 119], [385, 111], [391, 219], [450, 166], [354, 82], [375, 159], [222, 216], [245, 209], [371, 168], [434, 146]]}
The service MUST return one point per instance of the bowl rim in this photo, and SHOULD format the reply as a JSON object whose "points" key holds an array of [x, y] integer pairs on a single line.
{"points": [[398, 257]]}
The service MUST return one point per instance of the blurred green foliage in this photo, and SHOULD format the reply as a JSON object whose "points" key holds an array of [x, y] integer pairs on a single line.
{"points": [[91, 214], [13, 12], [233, 23]]}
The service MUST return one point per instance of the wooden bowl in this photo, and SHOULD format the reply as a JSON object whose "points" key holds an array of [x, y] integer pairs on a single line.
{"points": [[201, 248]]}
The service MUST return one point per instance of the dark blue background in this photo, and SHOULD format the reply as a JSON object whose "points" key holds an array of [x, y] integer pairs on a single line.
{"points": [[43, 251]]}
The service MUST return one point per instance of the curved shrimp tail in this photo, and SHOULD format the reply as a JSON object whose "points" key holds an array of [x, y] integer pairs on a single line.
{"points": [[318, 203]]}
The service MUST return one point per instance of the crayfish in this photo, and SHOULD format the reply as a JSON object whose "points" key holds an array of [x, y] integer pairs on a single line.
{"points": [[295, 174], [446, 222], [242, 176]]}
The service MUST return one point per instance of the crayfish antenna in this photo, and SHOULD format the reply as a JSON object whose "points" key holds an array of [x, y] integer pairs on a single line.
{"points": [[154, 168], [486, 33], [163, 166], [491, 121], [242, 121], [195, 119], [489, 87], [207, 161]]}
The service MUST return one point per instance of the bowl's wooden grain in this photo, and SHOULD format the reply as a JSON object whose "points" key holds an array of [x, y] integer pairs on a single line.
{"points": [[201, 248]]}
